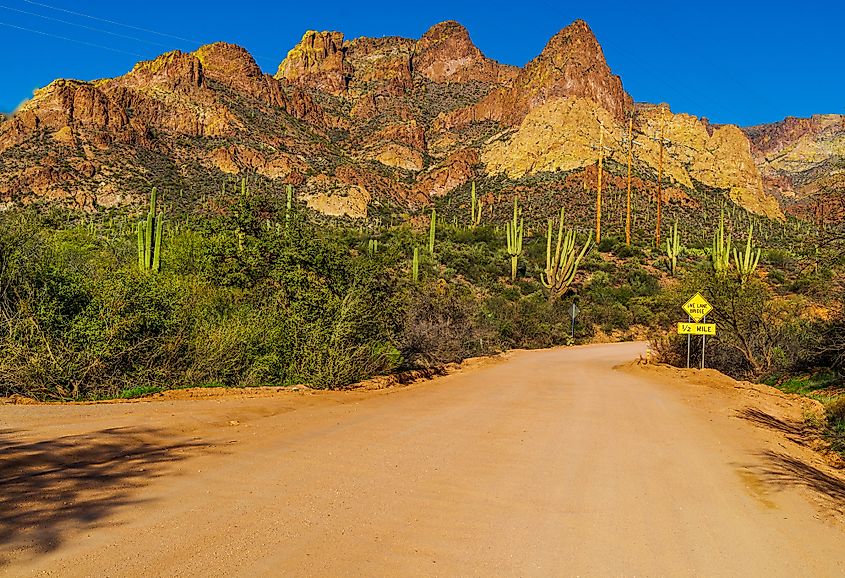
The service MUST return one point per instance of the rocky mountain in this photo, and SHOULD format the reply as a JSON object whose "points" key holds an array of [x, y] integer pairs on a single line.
{"points": [[364, 124], [802, 162]]}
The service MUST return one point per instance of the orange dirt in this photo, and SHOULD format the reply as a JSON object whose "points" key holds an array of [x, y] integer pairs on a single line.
{"points": [[557, 462]]}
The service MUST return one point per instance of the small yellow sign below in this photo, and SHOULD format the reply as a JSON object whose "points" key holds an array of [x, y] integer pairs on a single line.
{"points": [[697, 328], [697, 307]]}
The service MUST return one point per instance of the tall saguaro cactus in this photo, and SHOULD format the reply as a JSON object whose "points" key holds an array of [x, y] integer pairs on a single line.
{"points": [[475, 208], [562, 264], [720, 255], [149, 238], [630, 162], [415, 266], [432, 231], [746, 263], [514, 232], [674, 248], [598, 183], [289, 206]]}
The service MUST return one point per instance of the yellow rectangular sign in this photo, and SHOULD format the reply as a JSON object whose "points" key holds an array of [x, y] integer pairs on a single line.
{"points": [[697, 328]]}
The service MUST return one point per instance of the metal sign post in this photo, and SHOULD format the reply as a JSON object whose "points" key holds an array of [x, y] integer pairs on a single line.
{"points": [[697, 309]]}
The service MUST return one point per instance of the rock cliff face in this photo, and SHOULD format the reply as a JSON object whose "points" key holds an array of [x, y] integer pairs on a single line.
{"points": [[446, 54], [317, 62], [326, 62], [563, 134], [571, 65], [802, 160], [370, 121]]}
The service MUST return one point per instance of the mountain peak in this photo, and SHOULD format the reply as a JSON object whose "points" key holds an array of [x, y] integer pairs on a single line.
{"points": [[227, 60], [174, 69], [317, 61], [572, 64], [445, 53], [575, 40], [446, 29]]}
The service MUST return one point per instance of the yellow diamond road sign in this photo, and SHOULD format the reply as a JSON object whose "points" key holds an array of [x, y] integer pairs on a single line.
{"points": [[697, 307]]}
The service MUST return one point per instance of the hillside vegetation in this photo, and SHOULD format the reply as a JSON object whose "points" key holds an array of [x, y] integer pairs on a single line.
{"points": [[251, 292]]}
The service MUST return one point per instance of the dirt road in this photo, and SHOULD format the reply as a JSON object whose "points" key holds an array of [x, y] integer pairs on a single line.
{"points": [[548, 463]]}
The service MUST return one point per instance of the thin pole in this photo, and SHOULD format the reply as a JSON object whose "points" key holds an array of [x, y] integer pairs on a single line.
{"points": [[660, 185], [703, 337], [598, 185], [630, 160], [689, 341]]}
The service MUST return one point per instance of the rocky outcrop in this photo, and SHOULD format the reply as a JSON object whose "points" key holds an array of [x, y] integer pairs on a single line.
{"points": [[380, 66], [235, 68], [398, 156], [317, 62], [336, 197], [445, 53], [456, 170], [571, 65], [801, 157], [167, 94], [386, 66], [563, 135], [236, 159]]}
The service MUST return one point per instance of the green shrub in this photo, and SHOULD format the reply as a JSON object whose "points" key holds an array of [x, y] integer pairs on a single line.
{"points": [[835, 412]]}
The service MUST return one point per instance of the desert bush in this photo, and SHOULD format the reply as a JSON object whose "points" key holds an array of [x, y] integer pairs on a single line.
{"points": [[528, 320], [441, 325], [244, 347], [758, 332], [835, 412]]}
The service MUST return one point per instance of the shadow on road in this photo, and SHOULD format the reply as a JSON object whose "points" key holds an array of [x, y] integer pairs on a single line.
{"points": [[795, 430], [783, 470], [50, 489]]}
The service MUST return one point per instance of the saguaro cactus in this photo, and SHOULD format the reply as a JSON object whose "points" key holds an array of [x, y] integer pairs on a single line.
{"points": [[746, 263], [720, 256], [149, 238], [562, 264], [432, 231], [514, 233], [289, 207], [674, 248], [372, 247], [415, 266], [475, 208]]}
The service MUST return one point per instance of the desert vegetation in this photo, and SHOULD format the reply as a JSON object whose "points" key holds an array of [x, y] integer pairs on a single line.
{"points": [[252, 288], [262, 293]]}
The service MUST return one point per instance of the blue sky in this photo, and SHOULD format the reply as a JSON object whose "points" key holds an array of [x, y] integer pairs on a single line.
{"points": [[737, 62]]}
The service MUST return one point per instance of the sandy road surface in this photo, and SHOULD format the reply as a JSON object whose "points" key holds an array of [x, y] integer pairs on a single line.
{"points": [[549, 463]]}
